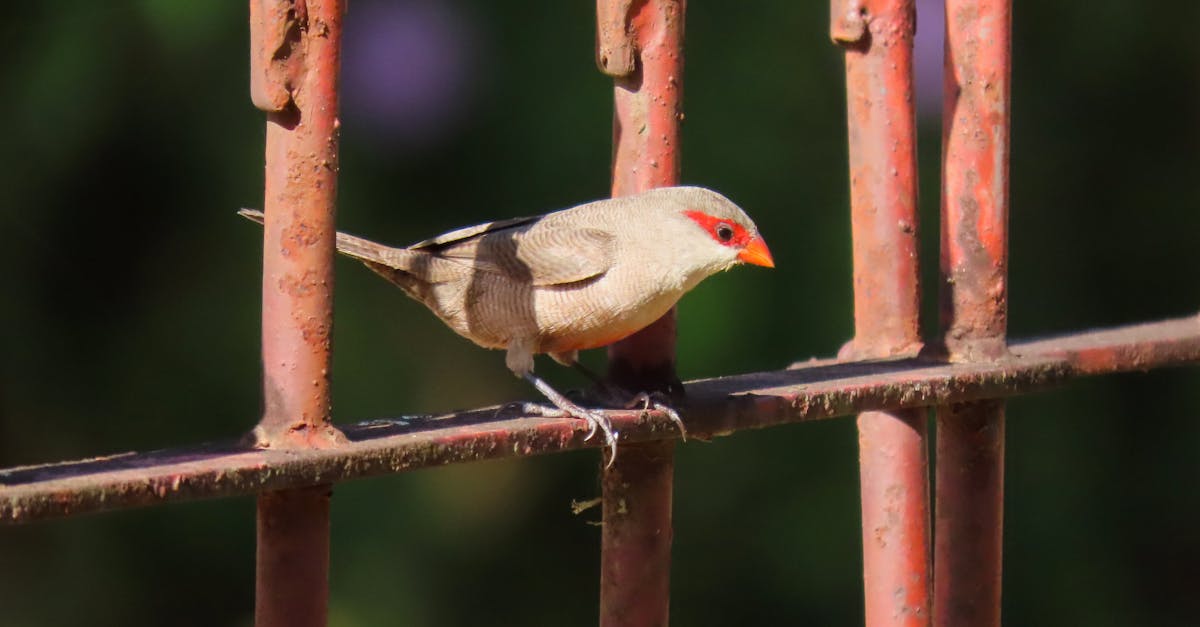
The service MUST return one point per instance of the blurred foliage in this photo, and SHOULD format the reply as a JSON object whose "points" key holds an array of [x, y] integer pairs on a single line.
{"points": [[130, 315]]}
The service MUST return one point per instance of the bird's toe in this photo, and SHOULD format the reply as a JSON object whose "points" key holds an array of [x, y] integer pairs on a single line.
{"points": [[655, 401], [598, 420]]}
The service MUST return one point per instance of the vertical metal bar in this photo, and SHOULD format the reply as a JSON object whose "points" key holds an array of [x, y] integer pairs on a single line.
{"points": [[974, 308], [877, 36], [970, 514], [292, 558], [975, 136], [635, 572], [295, 53], [640, 44]]}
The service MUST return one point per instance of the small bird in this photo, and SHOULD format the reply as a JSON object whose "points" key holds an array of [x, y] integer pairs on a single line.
{"points": [[570, 280]]}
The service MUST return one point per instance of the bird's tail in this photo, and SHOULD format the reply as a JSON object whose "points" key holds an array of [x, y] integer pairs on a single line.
{"points": [[355, 247]]}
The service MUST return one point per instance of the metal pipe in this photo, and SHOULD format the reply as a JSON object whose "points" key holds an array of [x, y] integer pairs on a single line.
{"points": [[640, 44], [295, 57], [877, 36], [974, 308], [716, 407]]}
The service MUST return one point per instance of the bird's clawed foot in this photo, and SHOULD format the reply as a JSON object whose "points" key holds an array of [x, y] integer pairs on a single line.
{"points": [[596, 420], [615, 396], [658, 401]]}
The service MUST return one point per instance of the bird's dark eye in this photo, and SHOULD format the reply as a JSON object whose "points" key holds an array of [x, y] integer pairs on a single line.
{"points": [[724, 232]]}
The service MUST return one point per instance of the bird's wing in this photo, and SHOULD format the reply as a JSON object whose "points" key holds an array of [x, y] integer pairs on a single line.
{"points": [[559, 256], [528, 251], [459, 236]]}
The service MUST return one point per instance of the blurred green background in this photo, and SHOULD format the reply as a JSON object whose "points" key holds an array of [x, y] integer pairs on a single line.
{"points": [[130, 307]]}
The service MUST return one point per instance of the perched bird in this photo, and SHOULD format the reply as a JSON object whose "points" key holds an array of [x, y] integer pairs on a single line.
{"points": [[570, 280]]}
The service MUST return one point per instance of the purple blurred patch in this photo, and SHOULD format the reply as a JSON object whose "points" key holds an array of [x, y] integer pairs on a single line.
{"points": [[407, 69], [927, 57]]}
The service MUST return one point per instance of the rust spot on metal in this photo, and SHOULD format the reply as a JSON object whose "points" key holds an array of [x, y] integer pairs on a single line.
{"points": [[299, 234], [315, 331], [303, 285]]}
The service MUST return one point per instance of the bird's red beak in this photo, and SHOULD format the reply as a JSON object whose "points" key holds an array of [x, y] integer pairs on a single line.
{"points": [[756, 253]]}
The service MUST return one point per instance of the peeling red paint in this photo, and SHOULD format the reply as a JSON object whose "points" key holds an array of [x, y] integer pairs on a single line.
{"points": [[975, 177], [974, 308]]}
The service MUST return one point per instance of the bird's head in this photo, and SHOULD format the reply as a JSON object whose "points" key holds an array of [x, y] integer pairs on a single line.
{"points": [[714, 230]]}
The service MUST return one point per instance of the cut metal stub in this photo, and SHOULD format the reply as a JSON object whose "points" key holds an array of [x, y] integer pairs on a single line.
{"points": [[275, 27], [616, 43], [847, 21]]}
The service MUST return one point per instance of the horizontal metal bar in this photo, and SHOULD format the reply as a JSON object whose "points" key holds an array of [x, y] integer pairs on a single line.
{"points": [[806, 391]]}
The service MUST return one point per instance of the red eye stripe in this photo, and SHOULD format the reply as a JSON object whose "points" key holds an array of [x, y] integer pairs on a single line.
{"points": [[711, 223]]}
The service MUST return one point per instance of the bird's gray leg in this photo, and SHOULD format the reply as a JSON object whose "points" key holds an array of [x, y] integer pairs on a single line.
{"points": [[595, 419], [519, 359]]}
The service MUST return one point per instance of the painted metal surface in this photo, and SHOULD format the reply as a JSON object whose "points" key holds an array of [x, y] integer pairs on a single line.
{"points": [[295, 59], [974, 308], [640, 45], [877, 36], [716, 407]]}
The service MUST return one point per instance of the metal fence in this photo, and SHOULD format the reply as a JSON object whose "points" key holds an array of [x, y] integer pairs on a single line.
{"points": [[887, 375]]}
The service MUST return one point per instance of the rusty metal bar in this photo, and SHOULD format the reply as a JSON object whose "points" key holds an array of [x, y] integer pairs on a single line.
{"points": [[716, 407], [974, 308], [640, 45], [292, 557], [295, 58], [298, 235], [877, 36], [635, 575]]}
